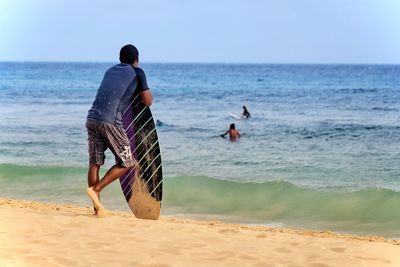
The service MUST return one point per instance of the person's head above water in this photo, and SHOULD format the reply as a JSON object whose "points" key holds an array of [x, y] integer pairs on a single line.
{"points": [[232, 126], [128, 54]]}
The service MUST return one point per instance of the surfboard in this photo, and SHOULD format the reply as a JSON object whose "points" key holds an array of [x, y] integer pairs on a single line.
{"points": [[234, 116], [142, 185]]}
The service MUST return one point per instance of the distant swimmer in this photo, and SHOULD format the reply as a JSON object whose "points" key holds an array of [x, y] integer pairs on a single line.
{"points": [[159, 123], [233, 133], [246, 113]]}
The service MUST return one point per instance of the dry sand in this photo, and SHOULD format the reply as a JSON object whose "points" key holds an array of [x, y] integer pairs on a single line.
{"points": [[40, 234]]}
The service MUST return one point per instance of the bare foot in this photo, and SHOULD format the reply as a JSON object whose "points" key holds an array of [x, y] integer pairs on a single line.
{"points": [[101, 211], [94, 209]]}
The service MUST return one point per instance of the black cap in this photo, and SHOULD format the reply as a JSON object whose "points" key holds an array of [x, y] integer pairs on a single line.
{"points": [[128, 54]]}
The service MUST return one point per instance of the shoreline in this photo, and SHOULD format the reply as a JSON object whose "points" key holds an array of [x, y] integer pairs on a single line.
{"points": [[44, 234]]}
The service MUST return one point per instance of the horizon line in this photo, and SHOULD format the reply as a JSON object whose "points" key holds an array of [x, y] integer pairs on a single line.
{"points": [[205, 63]]}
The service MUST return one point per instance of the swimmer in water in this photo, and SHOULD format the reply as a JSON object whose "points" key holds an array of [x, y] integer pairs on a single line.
{"points": [[246, 113], [233, 133]]}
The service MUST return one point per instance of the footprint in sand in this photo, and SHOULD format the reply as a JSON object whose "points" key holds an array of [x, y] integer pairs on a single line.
{"points": [[227, 230], [283, 250], [261, 236], [382, 260], [317, 264], [340, 250]]}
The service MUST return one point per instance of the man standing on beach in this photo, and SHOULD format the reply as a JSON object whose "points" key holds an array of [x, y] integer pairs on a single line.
{"points": [[104, 121]]}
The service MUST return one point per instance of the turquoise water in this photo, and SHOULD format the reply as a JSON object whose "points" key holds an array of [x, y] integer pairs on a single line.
{"points": [[321, 150]]}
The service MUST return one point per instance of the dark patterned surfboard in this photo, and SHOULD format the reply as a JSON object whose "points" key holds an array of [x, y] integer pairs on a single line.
{"points": [[142, 185]]}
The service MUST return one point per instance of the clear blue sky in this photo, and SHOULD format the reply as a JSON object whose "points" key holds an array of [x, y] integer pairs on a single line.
{"points": [[268, 31]]}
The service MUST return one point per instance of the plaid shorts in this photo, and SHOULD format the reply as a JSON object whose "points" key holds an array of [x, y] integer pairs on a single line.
{"points": [[103, 135]]}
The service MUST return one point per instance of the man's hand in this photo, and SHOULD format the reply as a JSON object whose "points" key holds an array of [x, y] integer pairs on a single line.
{"points": [[146, 97]]}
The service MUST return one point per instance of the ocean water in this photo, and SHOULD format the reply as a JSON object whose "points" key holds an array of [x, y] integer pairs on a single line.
{"points": [[321, 151]]}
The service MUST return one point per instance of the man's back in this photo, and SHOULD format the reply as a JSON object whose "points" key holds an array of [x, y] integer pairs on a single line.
{"points": [[234, 134], [115, 91]]}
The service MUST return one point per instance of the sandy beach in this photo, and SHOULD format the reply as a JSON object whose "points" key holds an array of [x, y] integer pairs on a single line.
{"points": [[42, 234]]}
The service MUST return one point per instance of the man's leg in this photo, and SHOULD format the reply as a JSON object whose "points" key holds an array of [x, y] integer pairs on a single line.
{"points": [[93, 178], [93, 174], [112, 174], [117, 141]]}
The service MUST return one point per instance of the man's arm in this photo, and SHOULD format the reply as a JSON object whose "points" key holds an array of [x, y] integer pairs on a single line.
{"points": [[144, 91], [223, 135], [146, 97]]}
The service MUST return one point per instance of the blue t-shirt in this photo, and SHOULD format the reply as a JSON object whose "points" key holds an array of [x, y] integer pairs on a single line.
{"points": [[115, 92]]}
